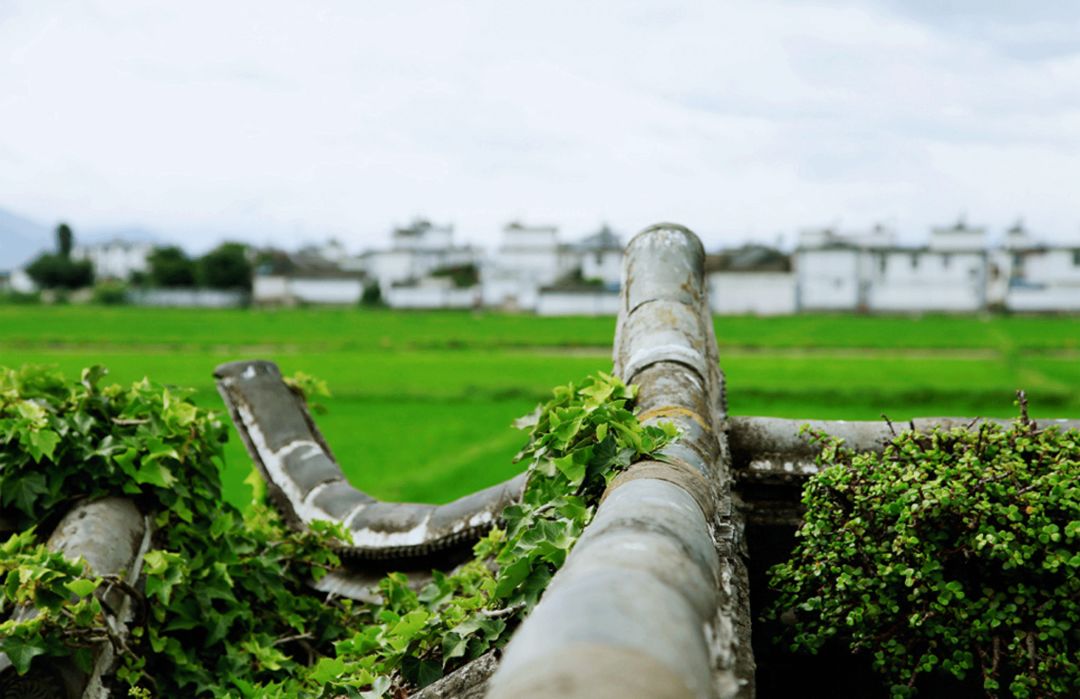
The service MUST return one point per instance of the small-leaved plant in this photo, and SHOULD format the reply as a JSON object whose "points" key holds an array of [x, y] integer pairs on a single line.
{"points": [[952, 551]]}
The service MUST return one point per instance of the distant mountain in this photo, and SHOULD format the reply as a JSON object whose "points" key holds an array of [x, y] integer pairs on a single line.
{"points": [[21, 240]]}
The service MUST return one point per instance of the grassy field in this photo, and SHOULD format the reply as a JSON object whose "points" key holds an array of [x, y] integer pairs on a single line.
{"points": [[422, 401]]}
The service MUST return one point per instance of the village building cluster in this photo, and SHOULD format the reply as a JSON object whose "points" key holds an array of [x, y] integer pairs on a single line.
{"points": [[957, 271], [530, 270], [533, 270]]}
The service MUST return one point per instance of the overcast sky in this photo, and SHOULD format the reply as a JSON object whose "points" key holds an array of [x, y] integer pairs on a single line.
{"points": [[287, 121]]}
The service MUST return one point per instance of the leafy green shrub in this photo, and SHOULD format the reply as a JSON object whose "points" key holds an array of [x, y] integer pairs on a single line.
{"points": [[59, 272], [462, 276], [225, 267], [230, 612], [953, 551], [226, 587], [170, 267]]}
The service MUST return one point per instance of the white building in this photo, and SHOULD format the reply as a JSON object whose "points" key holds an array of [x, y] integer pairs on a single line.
{"points": [[415, 251], [830, 268], [305, 277], [577, 302], [591, 286], [432, 293], [18, 281], [1037, 277], [753, 280], [602, 258], [323, 287], [528, 258], [116, 259], [870, 272]]}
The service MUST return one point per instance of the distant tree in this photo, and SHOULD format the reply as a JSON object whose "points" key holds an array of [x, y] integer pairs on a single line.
{"points": [[372, 296], [462, 276], [59, 271], [224, 267], [171, 267], [65, 240], [271, 261]]}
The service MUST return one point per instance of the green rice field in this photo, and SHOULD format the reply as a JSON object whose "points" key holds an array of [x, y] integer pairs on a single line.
{"points": [[422, 402]]}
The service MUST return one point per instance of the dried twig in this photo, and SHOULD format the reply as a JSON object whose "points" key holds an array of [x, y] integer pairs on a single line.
{"points": [[294, 637], [505, 611]]}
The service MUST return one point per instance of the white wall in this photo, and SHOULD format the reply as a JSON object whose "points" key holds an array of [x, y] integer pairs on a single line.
{"points": [[431, 296], [1052, 266], [540, 265], [503, 290], [391, 266], [925, 280], [891, 280], [605, 265], [918, 298], [512, 279], [270, 289], [116, 260], [280, 289], [1044, 280], [188, 298], [577, 303], [757, 293], [1043, 299], [828, 279], [21, 282], [328, 291]]}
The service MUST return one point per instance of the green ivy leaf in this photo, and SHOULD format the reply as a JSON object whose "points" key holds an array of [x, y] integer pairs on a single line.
{"points": [[21, 652], [82, 586], [24, 491], [420, 673], [572, 468], [43, 444]]}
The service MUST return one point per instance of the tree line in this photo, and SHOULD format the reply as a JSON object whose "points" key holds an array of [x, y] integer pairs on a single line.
{"points": [[225, 267]]}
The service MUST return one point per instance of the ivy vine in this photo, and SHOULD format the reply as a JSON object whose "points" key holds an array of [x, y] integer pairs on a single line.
{"points": [[230, 609]]}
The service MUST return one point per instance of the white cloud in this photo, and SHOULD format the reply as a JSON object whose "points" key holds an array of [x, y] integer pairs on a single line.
{"points": [[277, 121]]}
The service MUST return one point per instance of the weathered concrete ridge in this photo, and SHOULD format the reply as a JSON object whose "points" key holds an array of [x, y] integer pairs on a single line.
{"points": [[306, 483], [765, 448], [652, 601], [113, 536]]}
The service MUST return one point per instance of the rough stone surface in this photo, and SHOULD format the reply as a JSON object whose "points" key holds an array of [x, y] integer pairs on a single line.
{"points": [[598, 672], [305, 483], [112, 535], [776, 449], [467, 682], [653, 599]]}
